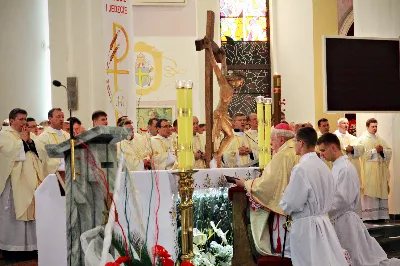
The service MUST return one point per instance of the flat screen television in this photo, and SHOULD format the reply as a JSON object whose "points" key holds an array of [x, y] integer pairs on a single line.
{"points": [[361, 74]]}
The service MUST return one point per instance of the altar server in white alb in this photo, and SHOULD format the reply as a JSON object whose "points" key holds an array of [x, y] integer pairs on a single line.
{"points": [[351, 231], [308, 198], [375, 173], [20, 175], [351, 147]]}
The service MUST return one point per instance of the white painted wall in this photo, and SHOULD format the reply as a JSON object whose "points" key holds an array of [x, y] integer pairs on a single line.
{"points": [[24, 64], [293, 56], [76, 50], [380, 19]]}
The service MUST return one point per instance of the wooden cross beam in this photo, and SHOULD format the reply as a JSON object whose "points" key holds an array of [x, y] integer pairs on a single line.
{"points": [[209, 82]]}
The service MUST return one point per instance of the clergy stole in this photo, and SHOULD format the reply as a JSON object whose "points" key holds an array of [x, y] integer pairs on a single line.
{"points": [[231, 155], [354, 157], [51, 136], [162, 155], [25, 171], [252, 136], [131, 154], [199, 145], [375, 168]]}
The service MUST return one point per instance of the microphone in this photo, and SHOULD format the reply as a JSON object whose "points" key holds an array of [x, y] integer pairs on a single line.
{"points": [[57, 83], [72, 92]]}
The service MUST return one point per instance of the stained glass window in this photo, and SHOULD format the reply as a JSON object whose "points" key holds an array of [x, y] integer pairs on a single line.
{"points": [[244, 20]]}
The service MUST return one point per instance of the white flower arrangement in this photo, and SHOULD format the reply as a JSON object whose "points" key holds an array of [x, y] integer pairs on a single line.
{"points": [[216, 254]]}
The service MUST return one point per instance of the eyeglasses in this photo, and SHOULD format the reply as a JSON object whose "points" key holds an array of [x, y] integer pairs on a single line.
{"points": [[166, 126]]}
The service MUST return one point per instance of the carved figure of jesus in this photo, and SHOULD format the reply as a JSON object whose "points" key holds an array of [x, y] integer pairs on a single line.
{"points": [[227, 83]]}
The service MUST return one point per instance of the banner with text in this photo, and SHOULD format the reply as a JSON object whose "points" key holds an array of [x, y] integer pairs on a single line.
{"points": [[119, 58]]}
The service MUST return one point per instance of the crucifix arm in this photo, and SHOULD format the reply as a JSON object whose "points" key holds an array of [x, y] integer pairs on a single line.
{"points": [[224, 66], [217, 70]]}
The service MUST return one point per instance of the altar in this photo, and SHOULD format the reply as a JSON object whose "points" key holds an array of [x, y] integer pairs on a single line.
{"points": [[147, 209]]}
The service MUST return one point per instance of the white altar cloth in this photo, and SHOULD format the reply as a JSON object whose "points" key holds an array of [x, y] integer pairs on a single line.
{"points": [[144, 201]]}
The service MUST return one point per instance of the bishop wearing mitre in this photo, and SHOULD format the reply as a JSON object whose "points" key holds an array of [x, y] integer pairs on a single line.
{"points": [[20, 175]]}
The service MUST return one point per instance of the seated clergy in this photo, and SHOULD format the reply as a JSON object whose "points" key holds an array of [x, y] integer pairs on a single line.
{"points": [[238, 152], [20, 175], [162, 155], [134, 149], [265, 193]]}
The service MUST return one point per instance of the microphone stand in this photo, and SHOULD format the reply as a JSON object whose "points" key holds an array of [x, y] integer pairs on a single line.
{"points": [[72, 144]]}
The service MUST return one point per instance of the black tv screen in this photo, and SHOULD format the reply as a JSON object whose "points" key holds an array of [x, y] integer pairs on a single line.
{"points": [[362, 75]]}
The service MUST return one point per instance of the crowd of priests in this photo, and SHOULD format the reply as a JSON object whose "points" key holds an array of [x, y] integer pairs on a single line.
{"points": [[311, 198]]}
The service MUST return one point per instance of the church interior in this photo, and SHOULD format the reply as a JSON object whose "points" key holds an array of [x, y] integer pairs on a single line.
{"points": [[199, 132]]}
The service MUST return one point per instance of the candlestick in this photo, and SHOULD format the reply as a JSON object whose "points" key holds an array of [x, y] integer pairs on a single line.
{"points": [[267, 130], [185, 124], [185, 165], [260, 139], [277, 98]]}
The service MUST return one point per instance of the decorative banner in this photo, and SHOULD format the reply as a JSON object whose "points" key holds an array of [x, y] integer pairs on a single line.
{"points": [[119, 60]]}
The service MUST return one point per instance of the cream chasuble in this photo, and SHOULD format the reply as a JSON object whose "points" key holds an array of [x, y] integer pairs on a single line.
{"points": [[199, 144], [350, 140], [162, 153], [231, 156], [265, 194], [25, 171], [51, 136], [132, 155], [252, 136], [375, 168]]}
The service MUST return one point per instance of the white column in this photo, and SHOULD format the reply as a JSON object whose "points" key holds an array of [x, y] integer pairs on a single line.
{"points": [[292, 50], [380, 19], [76, 50], [25, 64]]}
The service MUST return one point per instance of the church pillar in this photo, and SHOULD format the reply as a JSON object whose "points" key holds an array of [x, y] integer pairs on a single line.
{"points": [[76, 43], [291, 29], [325, 22], [24, 52], [380, 19]]}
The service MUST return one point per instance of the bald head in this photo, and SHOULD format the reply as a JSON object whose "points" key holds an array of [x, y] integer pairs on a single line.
{"points": [[252, 120], [195, 125]]}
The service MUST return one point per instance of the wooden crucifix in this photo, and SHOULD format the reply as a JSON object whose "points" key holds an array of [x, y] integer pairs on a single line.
{"points": [[200, 45]]}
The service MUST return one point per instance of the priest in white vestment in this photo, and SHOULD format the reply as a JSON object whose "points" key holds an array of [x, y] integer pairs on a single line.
{"points": [[20, 175], [199, 146], [307, 199], [323, 127], [252, 134], [134, 148], [162, 154], [351, 231], [53, 135], [265, 193], [375, 173], [238, 152]]}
